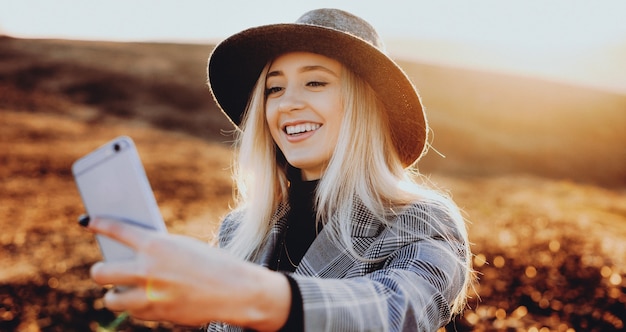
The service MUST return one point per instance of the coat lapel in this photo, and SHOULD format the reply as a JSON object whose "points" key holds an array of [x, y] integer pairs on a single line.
{"points": [[327, 258], [267, 253]]}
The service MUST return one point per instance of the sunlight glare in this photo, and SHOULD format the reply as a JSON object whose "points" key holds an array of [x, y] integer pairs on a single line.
{"points": [[571, 40]]}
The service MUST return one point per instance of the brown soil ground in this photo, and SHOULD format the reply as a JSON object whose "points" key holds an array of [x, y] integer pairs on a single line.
{"points": [[543, 189]]}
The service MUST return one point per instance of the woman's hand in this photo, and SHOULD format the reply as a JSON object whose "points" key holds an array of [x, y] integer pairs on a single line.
{"points": [[186, 281]]}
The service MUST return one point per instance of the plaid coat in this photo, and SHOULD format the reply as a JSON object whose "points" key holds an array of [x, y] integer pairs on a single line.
{"points": [[407, 282]]}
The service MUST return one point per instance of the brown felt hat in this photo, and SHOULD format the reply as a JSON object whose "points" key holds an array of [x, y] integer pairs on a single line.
{"points": [[236, 63]]}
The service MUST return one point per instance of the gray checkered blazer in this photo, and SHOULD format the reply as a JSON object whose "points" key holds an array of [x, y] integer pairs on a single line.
{"points": [[406, 284]]}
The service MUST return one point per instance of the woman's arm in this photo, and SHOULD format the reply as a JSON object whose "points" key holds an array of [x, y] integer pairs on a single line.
{"points": [[412, 292]]}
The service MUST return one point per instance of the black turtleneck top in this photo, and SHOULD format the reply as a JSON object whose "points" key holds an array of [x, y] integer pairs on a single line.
{"points": [[301, 226]]}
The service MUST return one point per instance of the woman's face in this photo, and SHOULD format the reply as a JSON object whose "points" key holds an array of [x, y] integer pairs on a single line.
{"points": [[304, 109]]}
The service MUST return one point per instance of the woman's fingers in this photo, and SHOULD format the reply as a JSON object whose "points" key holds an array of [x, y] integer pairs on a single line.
{"points": [[143, 302], [126, 298], [133, 236], [117, 273]]}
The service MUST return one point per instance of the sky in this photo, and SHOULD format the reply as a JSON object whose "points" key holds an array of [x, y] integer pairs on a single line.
{"points": [[528, 36]]}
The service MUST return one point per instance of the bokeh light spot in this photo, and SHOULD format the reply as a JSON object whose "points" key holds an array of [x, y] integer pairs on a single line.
{"points": [[531, 271], [520, 312], [614, 293], [471, 318], [554, 245], [535, 296], [507, 237], [98, 304], [480, 260], [498, 261], [556, 305], [606, 271], [615, 279], [53, 282], [500, 313]]}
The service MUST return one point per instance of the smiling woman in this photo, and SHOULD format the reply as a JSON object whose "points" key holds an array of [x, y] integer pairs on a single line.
{"points": [[333, 229]]}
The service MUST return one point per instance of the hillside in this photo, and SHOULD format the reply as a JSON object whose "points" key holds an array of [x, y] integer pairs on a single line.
{"points": [[483, 122], [103, 81], [537, 167], [493, 123]]}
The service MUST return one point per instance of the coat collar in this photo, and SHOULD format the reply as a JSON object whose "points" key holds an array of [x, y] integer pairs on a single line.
{"points": [[325, 254]]}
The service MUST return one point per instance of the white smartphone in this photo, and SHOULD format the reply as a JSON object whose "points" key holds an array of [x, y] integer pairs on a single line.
{"points": [[113, 184]]}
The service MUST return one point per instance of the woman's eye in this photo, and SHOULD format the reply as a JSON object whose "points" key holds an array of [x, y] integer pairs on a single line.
{"points": [[272, 90], [317, 84]]}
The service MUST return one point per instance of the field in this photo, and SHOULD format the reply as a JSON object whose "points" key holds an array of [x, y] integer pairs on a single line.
{"points": [[538, 167]]}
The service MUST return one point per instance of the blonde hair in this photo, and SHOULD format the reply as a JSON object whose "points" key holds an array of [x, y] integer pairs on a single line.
{"points": [[364, 168]]}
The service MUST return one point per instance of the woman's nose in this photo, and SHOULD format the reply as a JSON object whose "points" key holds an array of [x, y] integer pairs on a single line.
{"points": [[291, 100]]}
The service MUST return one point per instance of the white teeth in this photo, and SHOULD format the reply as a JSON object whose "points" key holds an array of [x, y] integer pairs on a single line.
{"points": [[301, 128]]}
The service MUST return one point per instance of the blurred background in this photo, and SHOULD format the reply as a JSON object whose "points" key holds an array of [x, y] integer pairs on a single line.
{"points": [[527, 102]]}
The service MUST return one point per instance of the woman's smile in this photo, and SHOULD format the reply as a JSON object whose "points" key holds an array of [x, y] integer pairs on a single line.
{"points": [[292, 130]]}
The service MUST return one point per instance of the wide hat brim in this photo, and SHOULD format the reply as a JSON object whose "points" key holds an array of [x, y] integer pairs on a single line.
{"points": [[236, 63]]}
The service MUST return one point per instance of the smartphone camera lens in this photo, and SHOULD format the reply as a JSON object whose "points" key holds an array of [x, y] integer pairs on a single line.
{"points": [[116, 147]]}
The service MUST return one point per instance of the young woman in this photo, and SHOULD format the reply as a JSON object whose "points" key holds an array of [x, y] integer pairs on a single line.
{"points": [[332, 230]]}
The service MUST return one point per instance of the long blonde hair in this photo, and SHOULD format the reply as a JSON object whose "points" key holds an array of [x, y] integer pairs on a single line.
{"points": [[364, 167]]}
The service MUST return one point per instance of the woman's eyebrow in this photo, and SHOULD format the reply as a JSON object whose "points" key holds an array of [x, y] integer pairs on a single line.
{"points": [[304, 69], [317, 67], [275, 73]]}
